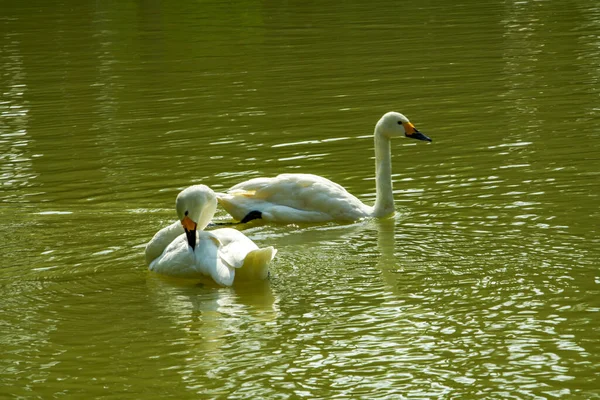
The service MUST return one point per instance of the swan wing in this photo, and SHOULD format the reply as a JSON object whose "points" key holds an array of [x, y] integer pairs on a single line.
{"points": [[176, 260], [220, 254], [209, 259], [240, 257], [223, 274], [234, 246], [223, 251], [180, 261], [293, 198]]}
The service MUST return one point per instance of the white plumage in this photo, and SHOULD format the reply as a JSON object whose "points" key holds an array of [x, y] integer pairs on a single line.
{"points": [[290, 198], [184, 250]]}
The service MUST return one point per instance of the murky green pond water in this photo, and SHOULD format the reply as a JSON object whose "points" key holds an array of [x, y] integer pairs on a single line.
{"points": [[486, 283]]}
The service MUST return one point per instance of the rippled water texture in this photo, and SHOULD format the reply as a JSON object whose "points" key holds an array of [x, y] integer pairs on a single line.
{"points": [[485, 284]]}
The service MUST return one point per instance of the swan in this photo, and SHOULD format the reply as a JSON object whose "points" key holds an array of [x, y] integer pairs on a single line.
{"points": [[184, 250], [293, 198]]}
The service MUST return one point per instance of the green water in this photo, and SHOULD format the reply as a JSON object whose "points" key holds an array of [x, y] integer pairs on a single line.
{"points": [[484, 285]]}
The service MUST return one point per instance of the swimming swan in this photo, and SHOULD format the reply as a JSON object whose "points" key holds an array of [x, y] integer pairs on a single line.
{"points": [[311, 198], [184, 250]]}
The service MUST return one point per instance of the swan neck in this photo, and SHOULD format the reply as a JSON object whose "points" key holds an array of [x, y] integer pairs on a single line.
{"points": [[384, 201], [161, 240]]}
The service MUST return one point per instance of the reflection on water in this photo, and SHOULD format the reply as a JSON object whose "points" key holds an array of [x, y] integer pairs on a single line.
{"points": [[214, 324], [15, 158], [484, 285]]}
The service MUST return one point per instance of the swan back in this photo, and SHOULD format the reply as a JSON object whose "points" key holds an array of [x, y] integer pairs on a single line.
{"points": [[293, 198]]}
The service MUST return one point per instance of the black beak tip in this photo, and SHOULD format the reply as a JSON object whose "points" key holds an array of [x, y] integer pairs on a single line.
{"points": [[191, 238], [419, 136]]}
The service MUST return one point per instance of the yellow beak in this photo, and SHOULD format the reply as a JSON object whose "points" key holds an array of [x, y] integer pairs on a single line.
{"points": [[409, 128], [188, 224]]}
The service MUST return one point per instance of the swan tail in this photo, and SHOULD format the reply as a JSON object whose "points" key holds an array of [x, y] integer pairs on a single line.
{"points": [[256, 264]]}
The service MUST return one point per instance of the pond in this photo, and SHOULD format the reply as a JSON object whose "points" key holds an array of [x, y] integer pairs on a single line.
{"points": [[484, 284]]}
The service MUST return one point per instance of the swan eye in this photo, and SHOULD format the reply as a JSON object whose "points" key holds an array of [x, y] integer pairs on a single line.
{"points": [[399, 122]]}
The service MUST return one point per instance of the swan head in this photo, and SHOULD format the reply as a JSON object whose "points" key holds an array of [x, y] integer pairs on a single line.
{"points": [[395, 124], [195, 206]]}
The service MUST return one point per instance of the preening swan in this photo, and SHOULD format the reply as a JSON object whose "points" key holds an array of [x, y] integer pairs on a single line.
{"points": [[184, 250], [291, 198]]}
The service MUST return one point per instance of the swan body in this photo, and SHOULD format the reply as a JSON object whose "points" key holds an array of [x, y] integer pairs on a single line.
{"points": [[293, 198], [184, 250]]}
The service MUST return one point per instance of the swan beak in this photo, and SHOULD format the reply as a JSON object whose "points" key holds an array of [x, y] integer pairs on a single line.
{"points": [[190, 231], [412, 132]]}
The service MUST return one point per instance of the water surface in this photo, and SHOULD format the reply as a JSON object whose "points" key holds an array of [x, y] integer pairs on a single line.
{"points": [[485, 283]]}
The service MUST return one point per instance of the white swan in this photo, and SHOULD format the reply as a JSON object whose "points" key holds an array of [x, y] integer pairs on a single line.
{"points": [[184, 250], [291, 198]]}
